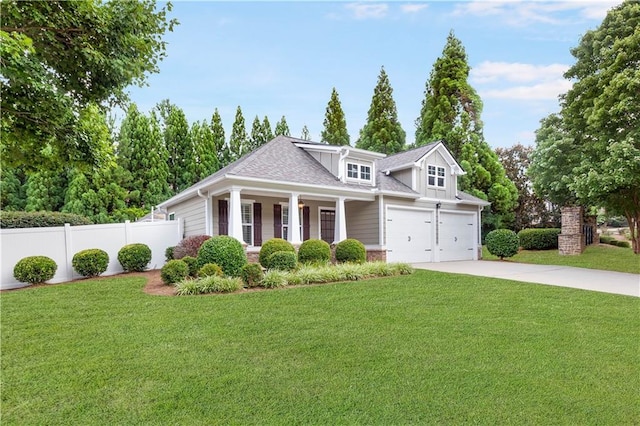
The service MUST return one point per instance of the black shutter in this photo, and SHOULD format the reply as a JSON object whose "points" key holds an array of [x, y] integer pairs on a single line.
{"points": [[257, 224], [306, 223], [223, 217], [277, 221]]}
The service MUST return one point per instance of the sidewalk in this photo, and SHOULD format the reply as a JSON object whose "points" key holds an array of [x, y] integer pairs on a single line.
{"points": [[563, 276]]}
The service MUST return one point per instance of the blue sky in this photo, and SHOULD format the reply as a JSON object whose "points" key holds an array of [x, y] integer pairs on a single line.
{"points": [[284, 58]]}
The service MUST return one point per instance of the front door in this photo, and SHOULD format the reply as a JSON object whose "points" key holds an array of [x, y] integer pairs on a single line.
{"points": [[327, 225]]}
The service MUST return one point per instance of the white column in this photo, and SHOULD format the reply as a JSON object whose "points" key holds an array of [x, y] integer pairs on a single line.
{"points": [[294, 220], [341, 222], [235, 214]]}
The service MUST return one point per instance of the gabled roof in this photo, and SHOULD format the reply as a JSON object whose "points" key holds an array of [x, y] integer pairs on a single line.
{"points": [[406, 158]]}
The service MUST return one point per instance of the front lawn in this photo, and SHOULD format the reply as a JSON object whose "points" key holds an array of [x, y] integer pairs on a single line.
{"points": [[428, 348], [604, 257]]}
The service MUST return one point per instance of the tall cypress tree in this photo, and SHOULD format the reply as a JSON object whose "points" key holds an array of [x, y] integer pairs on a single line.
{"points": [[282, 128], [217, 133], [206, 161], [238, 141], [305, 133], [13, 194], [266, 129], [257, 137], [45, 190], [335, 123], [175, 133], [382, 132]]}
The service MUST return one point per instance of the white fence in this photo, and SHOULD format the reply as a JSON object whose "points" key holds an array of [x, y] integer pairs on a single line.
{"points": [[62, 242]]}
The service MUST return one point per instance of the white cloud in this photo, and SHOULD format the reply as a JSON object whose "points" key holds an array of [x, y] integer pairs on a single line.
{"points": [[541, 91], [413, 7], [489, 71], [368, 10]]}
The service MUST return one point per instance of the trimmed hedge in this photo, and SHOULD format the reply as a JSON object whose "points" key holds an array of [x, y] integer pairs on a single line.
{"points": [[252, 274], [134, 257], [189, 246], [315, 252], [539, 238], [193, 264], [502, 243], [225, 251], [351, 250], [210, 270], [35, 269], [283, 261], [90, 262], [174, 271], [271, 246], [168, 253], [10, 220]]}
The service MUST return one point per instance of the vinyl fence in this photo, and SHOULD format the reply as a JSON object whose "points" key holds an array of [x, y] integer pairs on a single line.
{"points": [[62, 242]]}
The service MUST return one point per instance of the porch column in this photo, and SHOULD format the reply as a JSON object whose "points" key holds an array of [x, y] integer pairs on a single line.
{"points": [[235, 215], [341, 222], [294, 220]]}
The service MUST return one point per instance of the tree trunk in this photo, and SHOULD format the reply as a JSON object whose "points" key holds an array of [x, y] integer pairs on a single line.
{"points": [[634, 229]]}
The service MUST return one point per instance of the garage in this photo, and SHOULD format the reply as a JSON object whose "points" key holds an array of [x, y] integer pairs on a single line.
{"points": [[457, 236], [409, 235]]}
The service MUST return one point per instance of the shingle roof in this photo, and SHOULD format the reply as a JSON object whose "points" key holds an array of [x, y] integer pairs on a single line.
{"points": [[406, 157]]}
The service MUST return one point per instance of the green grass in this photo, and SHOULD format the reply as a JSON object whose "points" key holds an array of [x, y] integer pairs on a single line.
{"points": [[429, 348], [604, 257]]}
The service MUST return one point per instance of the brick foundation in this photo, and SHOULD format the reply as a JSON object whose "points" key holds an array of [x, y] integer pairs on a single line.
{"points": [[373, 255], [571, 238]]}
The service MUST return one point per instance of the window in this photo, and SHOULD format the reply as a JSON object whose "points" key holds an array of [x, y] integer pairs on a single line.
{"points": [[435, 176], [172, 216], [365, 172], [358, 171], [352, 171], [247, 223], [327, 225], [285, 222]]}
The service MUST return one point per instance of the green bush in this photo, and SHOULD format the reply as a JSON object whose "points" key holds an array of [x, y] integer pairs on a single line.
{"points": [[224, 251], [168, 253], [502, 243], [134, 257], [174, 271], [90, 262], [271, 246], [212, 284], [606, 239], [210, 270], [40, 219], [624, 244], [35, 269], [539, 238], [252, 274], [283, 261], [314, 251], [194, 265], [351, 250]]}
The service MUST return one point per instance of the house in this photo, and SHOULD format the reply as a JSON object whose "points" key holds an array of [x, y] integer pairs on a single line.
{"points": [[404, 207]]}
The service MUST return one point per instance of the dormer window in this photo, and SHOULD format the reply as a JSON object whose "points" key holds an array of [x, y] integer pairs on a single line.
{"points": [[360, 172], [435, 176]]}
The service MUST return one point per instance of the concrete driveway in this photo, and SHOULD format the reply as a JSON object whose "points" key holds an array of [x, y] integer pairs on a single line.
{"points": [[563, 276]]}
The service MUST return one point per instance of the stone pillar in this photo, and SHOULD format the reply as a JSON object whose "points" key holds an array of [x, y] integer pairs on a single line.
{"points": [[571, 238]]}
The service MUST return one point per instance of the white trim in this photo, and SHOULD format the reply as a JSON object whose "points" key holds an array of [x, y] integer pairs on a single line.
{"points": [[381, 221], [434, 221], [360, 164], [437, 176], [320, 208], [282, 224], [249, 203]]}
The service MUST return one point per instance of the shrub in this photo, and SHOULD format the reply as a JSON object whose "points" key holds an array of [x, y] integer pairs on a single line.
{"points": [[40, 219], [314, 251], [194, 265], [539, 238], [351, 250], [224, 251], [35, 269], [174, 271], [212, 284], [90, 262], [134, 257], [274, 279], [271, 246], [502, 243], [189, 246], [210, 270], [624, 244], [606, 239], [283, 261], [168, 253], [252, 274]]}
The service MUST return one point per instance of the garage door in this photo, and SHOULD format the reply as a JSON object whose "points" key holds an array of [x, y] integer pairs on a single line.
{"points": [[457, 236], [409, 235]]}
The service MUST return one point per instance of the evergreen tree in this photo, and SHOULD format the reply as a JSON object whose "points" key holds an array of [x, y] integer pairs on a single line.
{"points": [[266, 129], [180, 150], [382, 132], [45, 190], [217, 133], [335, 123], [282, 128], [257, 137], [238, 141], [13, 196], [305, 133], [206, 162]]}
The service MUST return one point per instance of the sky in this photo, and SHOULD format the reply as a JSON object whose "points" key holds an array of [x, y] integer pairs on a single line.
{"points": [[284, 58]]}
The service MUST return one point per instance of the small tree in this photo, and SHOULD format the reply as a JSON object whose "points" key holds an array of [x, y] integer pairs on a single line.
{"points": [[502, 243]]}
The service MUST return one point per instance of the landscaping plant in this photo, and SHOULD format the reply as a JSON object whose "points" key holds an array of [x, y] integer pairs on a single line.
{"points": [[271, 246], [314, 251], [539, 238], [283, 261], [252, 274], [35, 269], [502, 243], [351, 250], [193, 264], [174, 271], [225, 251], [90, 262], [134, 257], [210, 270], [189, 246]]}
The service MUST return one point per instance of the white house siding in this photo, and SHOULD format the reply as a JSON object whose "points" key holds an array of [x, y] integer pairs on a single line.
{"points": [[192, 212], [448, 192], [404, 176], [362, 221], [329, 161]]}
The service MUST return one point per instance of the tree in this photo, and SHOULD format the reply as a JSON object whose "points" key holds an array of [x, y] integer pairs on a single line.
{"points": [[13, 195], [258, 136], [45, 190], [181, 155], [451, 112], [382, 131], [335, 123], [206, 158], [266, 129], [238, 141], [217, 133], [282, 128], [305, 133], [600, 115], [57, 57]]}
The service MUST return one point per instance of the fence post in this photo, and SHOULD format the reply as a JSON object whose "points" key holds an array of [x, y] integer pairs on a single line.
{"points": [[68, 247]]}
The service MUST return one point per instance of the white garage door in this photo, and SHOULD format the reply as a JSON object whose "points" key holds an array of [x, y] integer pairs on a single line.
{"points": [[457, 236], [409, 235]]}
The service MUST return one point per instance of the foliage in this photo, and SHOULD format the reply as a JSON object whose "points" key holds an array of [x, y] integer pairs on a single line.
{"points": [[193, 264], [274, 278], [282, 128], [271, 246], [209, 284], [502, 243], [210, 269], [305, 136], [60, 56], [351, 250], [174, 271], [168, 253], [189, 246], [539, 238], [225, 251], [238, 141], [335, 123], [252, 274], [10, 220], [206, 160], [314, 251], [90, 262], [283, 260], [35, 269], [177, 141], [134, 257], [382, 132], [217, 133], [259, 134], [45, 190], [12, 187]]}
